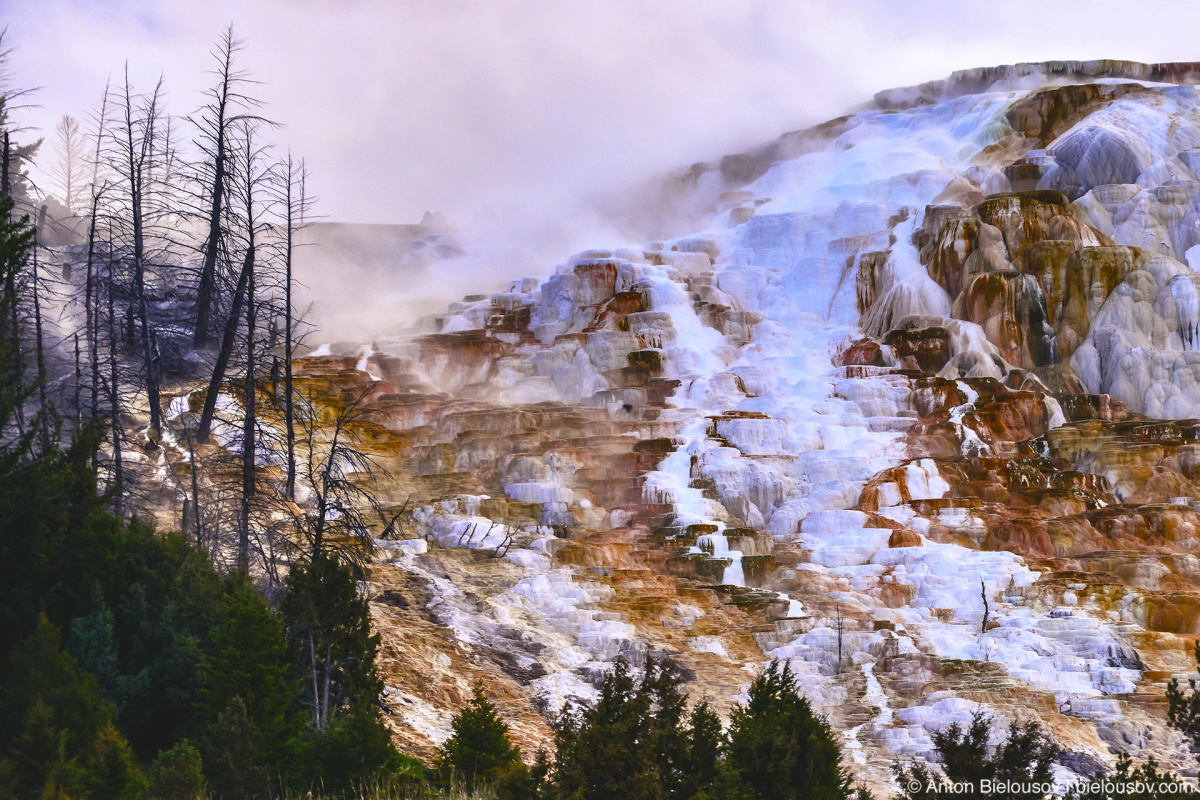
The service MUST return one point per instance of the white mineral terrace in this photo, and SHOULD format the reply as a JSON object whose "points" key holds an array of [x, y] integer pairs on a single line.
{"points": [[797, 471]]}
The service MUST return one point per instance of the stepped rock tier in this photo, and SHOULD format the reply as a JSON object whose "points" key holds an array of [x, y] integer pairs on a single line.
{"points": [[941, 352]]}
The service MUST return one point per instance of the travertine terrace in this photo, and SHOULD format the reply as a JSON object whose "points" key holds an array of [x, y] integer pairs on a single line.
{"points": [[941, 350]]}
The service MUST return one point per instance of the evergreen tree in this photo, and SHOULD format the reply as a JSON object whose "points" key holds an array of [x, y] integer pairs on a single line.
{"points": [[479, 751], [14, 180], [39, 671], [109, 768], [600, 752], [524, 783], [246, 689], [667, 736], [780, 748], [631, 743], [1127, 782], [1183, 711], [167, 603], [234, 753], [330, 639], [33, 513], [39, 761], [332, 651], [93, 642], [354, 750], [708, 774], [177, 774], [65, 743], [1024, 758]]}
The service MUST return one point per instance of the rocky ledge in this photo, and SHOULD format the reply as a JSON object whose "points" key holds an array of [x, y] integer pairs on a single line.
{"points": [[916, 412]]}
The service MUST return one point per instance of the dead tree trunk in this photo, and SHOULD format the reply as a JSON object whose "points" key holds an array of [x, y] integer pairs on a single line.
{"points": [[18, 360], [248, 443], [5, 186], [195, 490], [312, 654], [91, 310], [839, 638], [288, 325], [204, 293], [214, 123], [223, 355], [987, 613], [114, 399], [43, 402], [90, 316], [78, 385], [137, 156]]}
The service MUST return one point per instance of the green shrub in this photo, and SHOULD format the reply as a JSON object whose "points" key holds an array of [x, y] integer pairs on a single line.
{"points": [[177, 774], [1024, 758], [479, 751], [780, 748]]}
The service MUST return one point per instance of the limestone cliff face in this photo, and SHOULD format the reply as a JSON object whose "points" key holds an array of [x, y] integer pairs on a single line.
{"points": [[926, 354]]}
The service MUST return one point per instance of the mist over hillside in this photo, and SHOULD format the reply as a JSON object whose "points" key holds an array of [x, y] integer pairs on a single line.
{"points": [[785, 438]]}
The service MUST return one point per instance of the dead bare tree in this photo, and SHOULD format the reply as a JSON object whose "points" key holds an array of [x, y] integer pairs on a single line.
{"points": [[987, 612], [91, 312], [68, 176], [114, 390], [839, 638], [78, 385], [338, 471], [227, 106], [14, 179], [250, 179], [248, 126], [136, 145], [296, 202], [12, 279], [44, 410]]}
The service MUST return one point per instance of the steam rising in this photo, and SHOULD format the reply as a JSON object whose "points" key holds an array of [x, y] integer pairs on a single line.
{"points": [[514, 118]]}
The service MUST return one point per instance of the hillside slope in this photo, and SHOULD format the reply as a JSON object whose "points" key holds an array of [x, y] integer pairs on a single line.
{"points": [[934, 355]]}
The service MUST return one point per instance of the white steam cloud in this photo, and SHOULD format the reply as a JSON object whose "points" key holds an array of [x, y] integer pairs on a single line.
{"points": [[512, 116]]}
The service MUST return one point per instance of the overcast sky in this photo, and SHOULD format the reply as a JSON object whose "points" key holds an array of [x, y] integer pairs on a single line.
{"points": [[459, 106]]}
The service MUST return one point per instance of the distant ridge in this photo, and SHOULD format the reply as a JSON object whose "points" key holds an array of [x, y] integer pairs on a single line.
{"points": [[972, 81]]}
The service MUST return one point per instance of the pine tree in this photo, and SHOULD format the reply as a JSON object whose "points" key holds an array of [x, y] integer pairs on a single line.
{"points": [[1024, 758], [353, 751], [109, 768], [600, 752], [40, 671], [14, 182], [329, 635], [65, 742], [1146, 781], [667, 736], [37, 761], [234, 754], [479, 751], [526, 783], [247, 676], [706, 772], [177, 774], [780, 748], [332, 651], [631, 743], [93, 642], [1183, 711]]}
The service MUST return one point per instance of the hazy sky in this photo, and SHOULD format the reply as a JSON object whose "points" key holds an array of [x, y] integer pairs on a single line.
{"points": [[460, 106]]}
